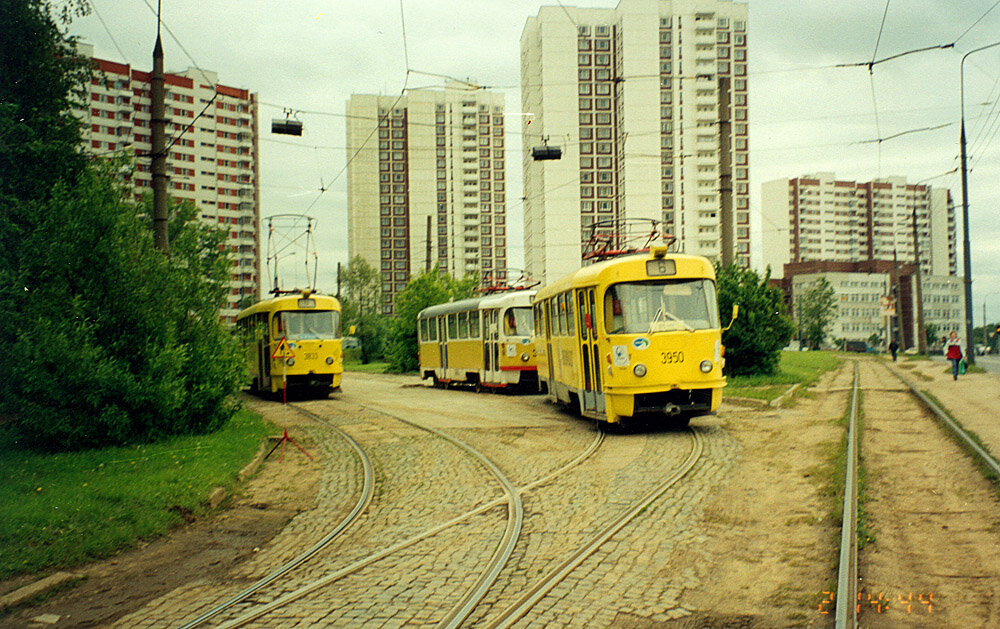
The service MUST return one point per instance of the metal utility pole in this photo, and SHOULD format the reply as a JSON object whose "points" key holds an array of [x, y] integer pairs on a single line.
{"points": [[157, 124], [970, 345], [725, 177], [921, 333], [898, 294]]}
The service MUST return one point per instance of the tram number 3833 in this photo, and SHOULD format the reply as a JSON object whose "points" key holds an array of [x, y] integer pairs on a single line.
{"points": [[669, 358]]}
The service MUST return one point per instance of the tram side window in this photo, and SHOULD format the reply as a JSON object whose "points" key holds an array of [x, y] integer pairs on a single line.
{"points": [[474, 324], [452, 327], [537, 310], [463, 325], [432, 328], [423, 330], [563, 323], [548, 319], [570, 317]]}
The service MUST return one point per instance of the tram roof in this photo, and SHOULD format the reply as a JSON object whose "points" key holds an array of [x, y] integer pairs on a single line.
{"points": [[628, 268], [291, 302], [498, 300]]}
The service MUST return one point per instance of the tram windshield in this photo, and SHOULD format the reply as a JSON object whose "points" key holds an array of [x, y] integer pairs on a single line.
{"points": [[660, 306], [518, 321], [308, 324]]}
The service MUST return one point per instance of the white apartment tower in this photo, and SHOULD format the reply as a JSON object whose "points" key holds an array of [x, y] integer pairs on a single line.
{"points": [[819, 218], [213, 163], [648, 102], [425, 184]]}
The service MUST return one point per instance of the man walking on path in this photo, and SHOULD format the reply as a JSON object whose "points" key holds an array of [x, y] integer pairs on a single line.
{"points": [[893, 347]]}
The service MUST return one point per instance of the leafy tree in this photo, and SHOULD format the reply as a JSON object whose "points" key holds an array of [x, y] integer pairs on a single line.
{"points": [[362, 307], [753, 344], [931, 332], [816, 308], [106, 340], [425, 290], [113, 342]]}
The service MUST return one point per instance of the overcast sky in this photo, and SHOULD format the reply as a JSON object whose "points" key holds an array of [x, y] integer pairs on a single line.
{"points": [[805, 115]]}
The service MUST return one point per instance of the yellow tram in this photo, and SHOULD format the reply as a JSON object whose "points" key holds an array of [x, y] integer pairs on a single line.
{"points": [[484, 342], [633, 336], [293, 341]]}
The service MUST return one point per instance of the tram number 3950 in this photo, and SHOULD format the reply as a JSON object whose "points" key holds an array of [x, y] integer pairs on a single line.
{"points": [[669, 358]]}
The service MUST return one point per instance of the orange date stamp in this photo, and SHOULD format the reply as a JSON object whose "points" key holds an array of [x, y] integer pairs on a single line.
{"points": [[881, 603]]}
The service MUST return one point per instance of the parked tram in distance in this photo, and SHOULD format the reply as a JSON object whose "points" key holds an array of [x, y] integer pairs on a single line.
{"points": [[293, 342], [484, 342], [634, 336]]}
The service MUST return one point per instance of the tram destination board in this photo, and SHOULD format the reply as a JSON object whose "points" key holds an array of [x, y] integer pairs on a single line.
{"points": [[660, 267]]}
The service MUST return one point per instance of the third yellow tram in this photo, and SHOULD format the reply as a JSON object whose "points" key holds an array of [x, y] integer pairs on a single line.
{"points": [[633, 337]]}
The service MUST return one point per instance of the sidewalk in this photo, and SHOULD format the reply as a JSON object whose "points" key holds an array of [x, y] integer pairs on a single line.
{"points": [[973, 400]]}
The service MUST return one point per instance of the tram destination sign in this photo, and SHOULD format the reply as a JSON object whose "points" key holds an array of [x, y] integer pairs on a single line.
{"points": [[660, 267]]}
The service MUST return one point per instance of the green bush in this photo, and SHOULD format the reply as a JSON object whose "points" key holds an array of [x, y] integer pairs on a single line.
{"points": [[111, 342], [753, 344]]}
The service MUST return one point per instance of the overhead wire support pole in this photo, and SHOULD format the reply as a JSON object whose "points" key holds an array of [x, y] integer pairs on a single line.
{"points": [[970, 353], [158, 123]]}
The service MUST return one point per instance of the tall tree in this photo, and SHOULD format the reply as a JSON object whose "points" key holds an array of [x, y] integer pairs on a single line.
{"points": [[362, 307], [425, 290], [815, 309], [106, 341], [753, 343]]}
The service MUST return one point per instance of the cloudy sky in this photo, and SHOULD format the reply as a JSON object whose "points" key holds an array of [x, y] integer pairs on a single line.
{"points": [[806, 115]]}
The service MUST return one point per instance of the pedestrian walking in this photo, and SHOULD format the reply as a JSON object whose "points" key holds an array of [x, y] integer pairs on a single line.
{"points": [[953, 352], [893, 348]]}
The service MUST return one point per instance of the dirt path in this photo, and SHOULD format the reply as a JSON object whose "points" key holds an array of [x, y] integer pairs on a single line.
{"points": [[935, 557], [769, 545]]}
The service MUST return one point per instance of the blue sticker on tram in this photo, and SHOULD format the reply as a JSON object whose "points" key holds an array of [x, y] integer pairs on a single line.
{"points": [[640, 342]]}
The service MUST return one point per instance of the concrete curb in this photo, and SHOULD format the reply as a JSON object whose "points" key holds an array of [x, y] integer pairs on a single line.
{"points": [[32, 590]]}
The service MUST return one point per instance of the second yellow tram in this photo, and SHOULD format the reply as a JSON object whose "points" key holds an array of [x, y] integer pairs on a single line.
{"points": [[484, 342], [634, 336]]}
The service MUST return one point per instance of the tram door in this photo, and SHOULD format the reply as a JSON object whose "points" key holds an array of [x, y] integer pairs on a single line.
{"points": [[491, 345], [589, 358], [548, 340], [264, 353], [443, 344]]}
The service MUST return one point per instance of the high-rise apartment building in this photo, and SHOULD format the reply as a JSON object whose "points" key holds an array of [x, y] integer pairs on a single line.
{"points": [[648, 102], [214, 163], [820, 218], [426, 184]]}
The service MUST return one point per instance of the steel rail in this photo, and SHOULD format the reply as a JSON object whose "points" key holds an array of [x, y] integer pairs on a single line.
{"points": [[984, 457], [367, 492], [847, 573], [305, 590], [541, 588]]}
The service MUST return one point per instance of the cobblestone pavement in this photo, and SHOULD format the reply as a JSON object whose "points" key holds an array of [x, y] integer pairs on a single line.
{"points": [[423, 481]]}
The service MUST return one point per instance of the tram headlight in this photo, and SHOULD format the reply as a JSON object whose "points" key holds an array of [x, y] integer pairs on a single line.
{"points": [[705, 366], [289, 361], [639, 370], [329, 360], [525, 357]]}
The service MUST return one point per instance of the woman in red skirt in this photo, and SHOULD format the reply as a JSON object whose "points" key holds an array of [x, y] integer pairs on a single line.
{"points": [[954, 353]]}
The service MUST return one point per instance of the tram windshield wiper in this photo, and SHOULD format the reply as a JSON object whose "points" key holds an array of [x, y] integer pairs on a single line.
{"points": [[660, 321]]}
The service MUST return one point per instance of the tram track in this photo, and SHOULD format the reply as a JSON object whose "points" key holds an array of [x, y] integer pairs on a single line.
{"points": [[364, 499], [488, 575], [851, 601], [542, 587]]}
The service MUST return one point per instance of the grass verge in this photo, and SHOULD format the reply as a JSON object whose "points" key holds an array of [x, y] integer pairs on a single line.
{"points": [[366, 367], [62, 510], [804, 367]]}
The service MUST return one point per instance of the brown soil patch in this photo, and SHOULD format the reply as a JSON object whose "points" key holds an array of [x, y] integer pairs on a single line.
{"points": [[209, 547], [769, 549], [935, 559]]}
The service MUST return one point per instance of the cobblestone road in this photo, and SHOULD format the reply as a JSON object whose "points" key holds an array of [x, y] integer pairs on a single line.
{"points": [[424, 481]]}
